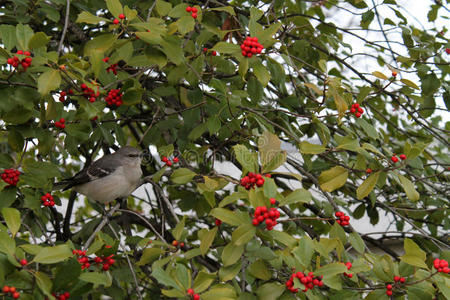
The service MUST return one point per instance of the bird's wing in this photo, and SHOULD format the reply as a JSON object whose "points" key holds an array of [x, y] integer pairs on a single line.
{"points": [[100, 168]]}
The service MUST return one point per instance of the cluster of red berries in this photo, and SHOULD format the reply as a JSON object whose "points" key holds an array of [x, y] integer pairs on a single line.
{"points": [[251, 179], [63, 94], [47, 200], [193, 11], [168, 162], [394, 158], [342, 219], [175, 243], [25, 62], [389, 287], [61, 123], [116, 21], [10, 176], [251, 47], [114, 98], [264, 215], [85, 262], [309, 281], [112, 68], [89, 93], [348, 265], [441, 265], [356, 110], [11, 290], [61, 296], [193, 294], [213, 53], [218, 222]]}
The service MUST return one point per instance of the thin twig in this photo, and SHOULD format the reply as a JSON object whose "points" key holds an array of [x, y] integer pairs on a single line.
{"points": [[66, 23], [100, 226]]}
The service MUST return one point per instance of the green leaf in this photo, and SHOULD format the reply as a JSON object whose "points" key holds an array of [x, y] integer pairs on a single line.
{"points": [[243, 234], [297, 196], [228, 9], [178, 230], [114, 7], [259, 270], [284, 238], [151, 37], [268, 145], [230, 272], [333, 178], [173, 49], [49, 81], [87, 17], [368, 129], [308, 148], [357, 242], [51, 255], [261, 72], [207, 240], [96, 278], [23, 34], [31, 248], [203, 281], [38, 40], [164, 278], [247, 159], [379, 75], [226, 48], [226, 216], [12, 219], [304, 251], [163, 7], [149, 255], [182, 176], [331, 269], [409, 188], [44, 283], [15, 140], [185, 24], [132, 97], [410, 83], [367, 186], [231, 254], [270, 291], [413, 254], [7, 244]]}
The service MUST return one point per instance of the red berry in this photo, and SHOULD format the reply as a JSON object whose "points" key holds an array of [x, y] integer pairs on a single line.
{"points": [[121, 16], [255, 222], [27, 53], [402, 156], [106, 59], [6, 289], [389, 286], [402, 279], [16, 295], [218, 222], [396, 278], [194, 10], [19, 52], [169, 163], [175, 243], [188, 9], [447, 50], [394, 74], [273, 201], [196, 297], [190, 291], [394, 159], [267, 175], [205, 49], [23, 262], [260, 182], [116, 21], [12, 289], [83, 86], [368, 170], [194, 15], [358, 115], [389, 292], [443, 263], [214, 53], [175, 160]]}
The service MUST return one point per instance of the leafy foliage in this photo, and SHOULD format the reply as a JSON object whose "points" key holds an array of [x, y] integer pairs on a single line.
{"points": [[190, 95]]}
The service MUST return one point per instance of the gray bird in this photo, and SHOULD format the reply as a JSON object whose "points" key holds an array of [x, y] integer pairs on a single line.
{"points": [[113, 176]]}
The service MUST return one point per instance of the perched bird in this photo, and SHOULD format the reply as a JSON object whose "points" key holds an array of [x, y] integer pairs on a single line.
{"points": [[113, 176]]}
